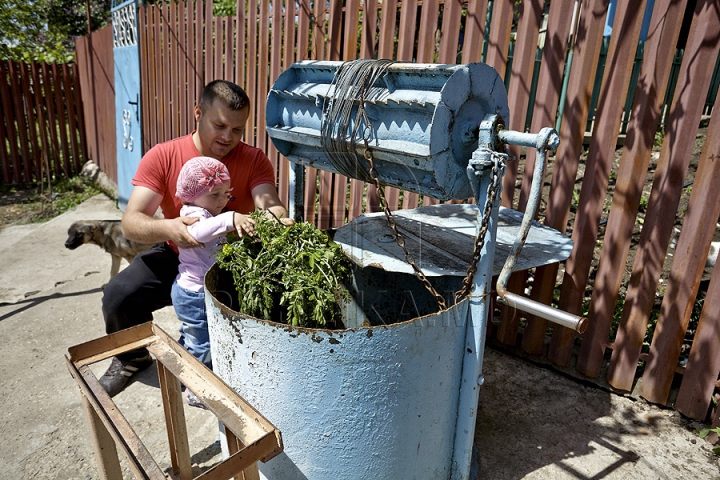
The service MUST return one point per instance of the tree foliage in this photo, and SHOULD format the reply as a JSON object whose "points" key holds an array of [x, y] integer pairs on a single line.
{"points": [[45, 30]]}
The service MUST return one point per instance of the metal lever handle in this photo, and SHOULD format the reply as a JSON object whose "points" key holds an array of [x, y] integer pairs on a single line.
{"points": [[546, 140], [568, 320]]}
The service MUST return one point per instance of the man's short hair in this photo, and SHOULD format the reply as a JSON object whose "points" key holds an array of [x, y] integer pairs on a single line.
{"points": [[229, 93]]}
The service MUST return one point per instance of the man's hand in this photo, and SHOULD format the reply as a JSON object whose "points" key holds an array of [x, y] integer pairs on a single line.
{"points": [[178, 232]]}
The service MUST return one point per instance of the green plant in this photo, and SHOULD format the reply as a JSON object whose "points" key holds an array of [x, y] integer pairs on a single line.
{"points": [[575, 200], [659, 135], [33, 203], [705, 432], [295, 267]]}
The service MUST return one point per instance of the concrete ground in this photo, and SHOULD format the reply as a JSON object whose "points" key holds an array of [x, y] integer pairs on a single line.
{"points": [[532, 422]]}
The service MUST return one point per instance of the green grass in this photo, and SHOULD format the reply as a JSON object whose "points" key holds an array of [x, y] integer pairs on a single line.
{"points": [[33, 203]]}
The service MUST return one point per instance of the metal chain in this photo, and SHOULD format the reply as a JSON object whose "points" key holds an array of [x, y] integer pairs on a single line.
{"points": [[498, 169], [352, 85], [399, 239]]}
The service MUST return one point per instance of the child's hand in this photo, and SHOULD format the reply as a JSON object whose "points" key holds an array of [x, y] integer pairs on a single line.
{"points": [[244, 224], [287, 221]]}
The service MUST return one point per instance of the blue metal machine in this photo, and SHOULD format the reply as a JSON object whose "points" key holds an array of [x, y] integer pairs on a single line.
{"points": [[395, 394]]}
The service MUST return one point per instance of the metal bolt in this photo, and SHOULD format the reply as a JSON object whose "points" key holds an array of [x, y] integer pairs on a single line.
{"points": [[481, 380]]}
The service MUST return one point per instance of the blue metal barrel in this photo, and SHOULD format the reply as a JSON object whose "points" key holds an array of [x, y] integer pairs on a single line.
{"points": [[378, 401]]}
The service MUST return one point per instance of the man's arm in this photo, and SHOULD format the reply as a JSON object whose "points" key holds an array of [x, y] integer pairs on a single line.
{"points": [[138, 223], [266, 198]]}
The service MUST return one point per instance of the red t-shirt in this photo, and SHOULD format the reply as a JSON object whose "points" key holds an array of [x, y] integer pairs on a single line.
{"points": [[161, 165]]}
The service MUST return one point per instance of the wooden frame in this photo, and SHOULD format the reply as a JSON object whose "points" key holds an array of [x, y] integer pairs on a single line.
{"points": [[250, 436]]}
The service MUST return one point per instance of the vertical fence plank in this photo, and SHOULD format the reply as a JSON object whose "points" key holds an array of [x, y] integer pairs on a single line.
{"points": [[426, 49], [405, 51], [217, 48], [276, 58], [252, 69], [97, 82], [499, 37], [288, 58], [616, 79], [77, 91], [303, 53], [519, 95], [42, 121], [386, 48], [326, 212], [160, 65], [685, 276], [703, 365], [228, 23], [72, 123], [634, 162], [183, 88], [47, 82], [519, 89], [313, 177], [62, 121], [174, 83], [577, 104], [406, 31], [19, 119], [208, 30], [144, 75], [388, 27], [8, 173], [194, 84], [339, 182], [303, 30], [367, 50], [549, 84], [147, 37], [168, 78], [160, 73], [160, 69], [318, 36], [427, 31], [199, 48], [240, 42], [450, 32], [701, 50], [547, 99], [474, 31], [262, 73], [28, 101], [350, 52], [369, 28]]}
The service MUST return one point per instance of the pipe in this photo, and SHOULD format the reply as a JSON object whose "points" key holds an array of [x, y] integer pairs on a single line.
{"points": [[575, 322], [546, 140]]}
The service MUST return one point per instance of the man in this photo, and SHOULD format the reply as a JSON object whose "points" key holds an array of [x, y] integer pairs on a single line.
{"points": [[144, 286]]}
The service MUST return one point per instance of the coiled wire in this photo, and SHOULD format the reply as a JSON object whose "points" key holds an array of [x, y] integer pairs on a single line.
{"points": [[344, 119]]}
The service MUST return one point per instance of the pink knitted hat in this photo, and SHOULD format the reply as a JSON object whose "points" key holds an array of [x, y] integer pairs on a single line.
{"points": [[198, 176]]}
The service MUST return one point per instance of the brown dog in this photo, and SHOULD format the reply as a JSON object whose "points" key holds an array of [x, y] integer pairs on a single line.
{"points": [[108, 235]]}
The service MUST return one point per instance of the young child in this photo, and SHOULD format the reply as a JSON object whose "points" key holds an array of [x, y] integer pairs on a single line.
{"points": [[204, 188]]}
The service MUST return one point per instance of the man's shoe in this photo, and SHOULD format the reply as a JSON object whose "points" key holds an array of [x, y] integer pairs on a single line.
{"points": [[118, 375]]}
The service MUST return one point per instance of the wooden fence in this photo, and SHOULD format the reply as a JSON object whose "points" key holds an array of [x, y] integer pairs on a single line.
{"points": [[94, 55], [182, 46], [41, 131]]}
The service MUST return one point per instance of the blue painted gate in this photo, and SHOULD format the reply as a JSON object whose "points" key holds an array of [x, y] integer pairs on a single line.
{"points": [[127, 94]]}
